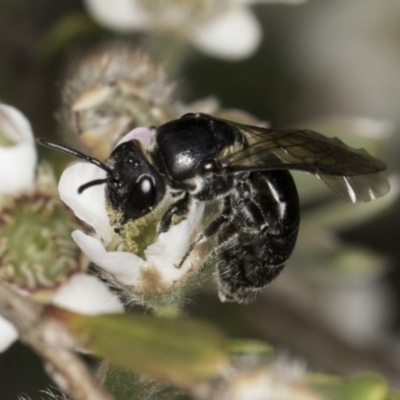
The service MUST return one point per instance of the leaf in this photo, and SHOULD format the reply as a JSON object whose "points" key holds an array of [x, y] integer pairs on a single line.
{"points": [[248, 346], [182, 351], [125, 385], [366, 387]]}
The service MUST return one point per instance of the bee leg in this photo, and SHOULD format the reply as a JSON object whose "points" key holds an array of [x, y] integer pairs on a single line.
{"points": [[180, 207], [256, 244]]}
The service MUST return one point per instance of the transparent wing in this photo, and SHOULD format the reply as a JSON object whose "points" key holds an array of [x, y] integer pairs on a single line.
{"points": [[358, 187], [352, 173]]}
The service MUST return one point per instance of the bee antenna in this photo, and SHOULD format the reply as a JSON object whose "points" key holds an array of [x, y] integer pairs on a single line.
{"points": [[60, 147], [90, 184]]}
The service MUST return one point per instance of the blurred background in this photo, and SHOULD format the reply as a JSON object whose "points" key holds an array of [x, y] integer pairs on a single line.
{"points": [[330, 65]]}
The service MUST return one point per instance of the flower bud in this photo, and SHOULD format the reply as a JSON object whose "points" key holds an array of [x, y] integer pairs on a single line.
{"points": [[112, 91]]}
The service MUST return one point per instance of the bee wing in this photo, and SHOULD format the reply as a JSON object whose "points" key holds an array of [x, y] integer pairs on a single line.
{"points": [[352, 173]]}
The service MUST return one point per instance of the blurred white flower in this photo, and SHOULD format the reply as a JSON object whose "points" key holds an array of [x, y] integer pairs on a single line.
{"points": [[224, 29], [281, 379], [157, 272], [75, 290], [17, 151]]}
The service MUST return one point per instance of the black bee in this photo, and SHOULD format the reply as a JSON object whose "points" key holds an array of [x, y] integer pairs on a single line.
{"points": [[245, 170]]}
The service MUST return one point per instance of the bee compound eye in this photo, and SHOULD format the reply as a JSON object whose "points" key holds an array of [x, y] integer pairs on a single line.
{"points": [[142, 197]]}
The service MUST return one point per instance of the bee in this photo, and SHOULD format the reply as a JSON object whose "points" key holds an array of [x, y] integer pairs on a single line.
{"points": [[246, 171]]}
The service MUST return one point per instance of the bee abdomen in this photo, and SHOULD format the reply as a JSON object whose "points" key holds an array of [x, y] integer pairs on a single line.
{"points": [[266, 224]]}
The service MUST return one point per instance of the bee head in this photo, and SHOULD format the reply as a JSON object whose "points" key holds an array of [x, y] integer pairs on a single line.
{"points": [[133, 186]]}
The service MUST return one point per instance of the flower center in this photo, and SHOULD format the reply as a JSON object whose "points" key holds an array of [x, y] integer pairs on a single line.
{"points": [[36, 249]]}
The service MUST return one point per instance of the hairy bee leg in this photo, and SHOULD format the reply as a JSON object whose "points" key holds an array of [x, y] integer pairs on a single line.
{"points": [[266, 222], [225, 216], [180, 207]]}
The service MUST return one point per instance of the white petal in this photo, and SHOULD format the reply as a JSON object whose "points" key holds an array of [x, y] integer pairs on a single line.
{"points": [[18, 161], [8, 334], [233, 36], [15, 125], [88, 206], [143, 134], [87, 294], [171, 246], [119, 15], [126, 267]]}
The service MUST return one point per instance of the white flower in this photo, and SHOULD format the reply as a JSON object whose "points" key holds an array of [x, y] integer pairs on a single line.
{"points": [[17, 151], [225, 28], [158, 271], [79, 292]]}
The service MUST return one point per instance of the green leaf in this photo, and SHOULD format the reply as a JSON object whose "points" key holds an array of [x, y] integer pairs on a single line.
{"points": [[366, 387], [125, 385], [182, 351], [247, 346]]}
